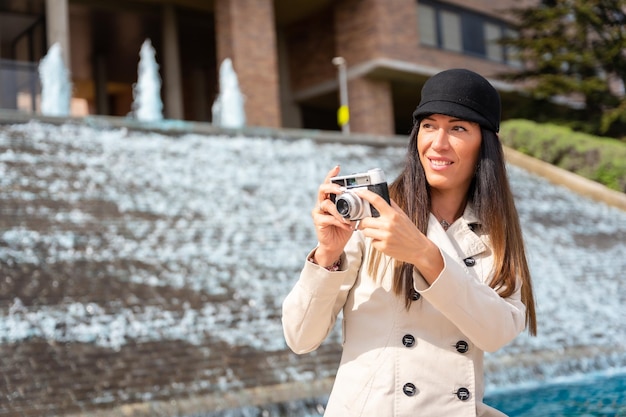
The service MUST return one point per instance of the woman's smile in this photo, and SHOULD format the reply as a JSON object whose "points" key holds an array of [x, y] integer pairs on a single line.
{"points": [[439, 164]]}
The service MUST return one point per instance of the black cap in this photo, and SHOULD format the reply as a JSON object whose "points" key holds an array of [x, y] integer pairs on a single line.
{"points": [[461, 93]]}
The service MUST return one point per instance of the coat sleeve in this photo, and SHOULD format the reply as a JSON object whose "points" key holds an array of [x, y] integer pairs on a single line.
{"points": [[479, 312], [310, 310]]}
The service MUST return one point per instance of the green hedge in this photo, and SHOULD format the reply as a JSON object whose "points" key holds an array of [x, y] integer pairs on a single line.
{"points": [[597, 158]]}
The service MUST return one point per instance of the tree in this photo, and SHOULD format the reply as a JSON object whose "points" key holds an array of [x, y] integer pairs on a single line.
{"points": [[576, 49]]}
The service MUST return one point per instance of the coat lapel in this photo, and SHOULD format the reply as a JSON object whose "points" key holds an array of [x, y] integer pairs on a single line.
{"points": [[465, 242]]}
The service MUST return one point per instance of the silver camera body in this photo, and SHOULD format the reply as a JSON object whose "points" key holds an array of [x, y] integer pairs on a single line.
{"points": [[350, 205]]}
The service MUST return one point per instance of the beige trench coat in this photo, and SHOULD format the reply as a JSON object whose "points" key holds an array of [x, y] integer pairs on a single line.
{"points": [[424, 361]]}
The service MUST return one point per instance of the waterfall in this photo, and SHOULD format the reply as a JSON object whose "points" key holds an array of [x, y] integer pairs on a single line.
{"points": [[193, 243]]}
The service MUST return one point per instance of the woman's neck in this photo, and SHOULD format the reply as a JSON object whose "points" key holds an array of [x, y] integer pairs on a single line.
{"points": [[448, 206]]}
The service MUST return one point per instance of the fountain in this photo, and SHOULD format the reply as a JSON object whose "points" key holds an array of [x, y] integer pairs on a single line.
{"points": [[56, 88], [179, 249], [228, 109], [147, 104]]}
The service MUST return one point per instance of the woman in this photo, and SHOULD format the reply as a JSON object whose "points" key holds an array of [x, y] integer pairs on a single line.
{"points": [[437, 279]]}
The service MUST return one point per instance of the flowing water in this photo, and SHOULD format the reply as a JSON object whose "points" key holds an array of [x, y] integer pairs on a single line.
{"points": [[196, 239]]}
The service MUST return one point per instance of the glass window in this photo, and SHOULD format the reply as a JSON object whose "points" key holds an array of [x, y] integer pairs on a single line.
{"points": [[511, 52], [451, 31], [454, 28], [473, 34], [493, 33], [427, 24]]}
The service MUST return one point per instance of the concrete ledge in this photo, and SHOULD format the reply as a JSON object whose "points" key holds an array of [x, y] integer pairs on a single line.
{"points": [[576, 183], [180, 127]]}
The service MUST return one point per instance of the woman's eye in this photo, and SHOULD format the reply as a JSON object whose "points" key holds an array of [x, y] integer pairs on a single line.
{"points": [[459, 128]]}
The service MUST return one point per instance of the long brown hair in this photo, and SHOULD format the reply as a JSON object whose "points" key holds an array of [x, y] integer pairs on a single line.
{"points": [[493, 203]]}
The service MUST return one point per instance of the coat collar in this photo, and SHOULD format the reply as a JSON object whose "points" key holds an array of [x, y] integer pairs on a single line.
{"points": [[462, 238]]}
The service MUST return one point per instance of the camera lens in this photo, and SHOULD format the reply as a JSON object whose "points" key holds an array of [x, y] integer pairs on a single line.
{"points": [[349, 206], [343, 207]]}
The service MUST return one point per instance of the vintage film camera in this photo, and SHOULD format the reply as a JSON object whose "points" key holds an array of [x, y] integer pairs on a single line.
{"points": [[350, 205]]}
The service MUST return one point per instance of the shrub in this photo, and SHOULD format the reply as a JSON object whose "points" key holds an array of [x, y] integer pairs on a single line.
{"points": [[597, 158]]}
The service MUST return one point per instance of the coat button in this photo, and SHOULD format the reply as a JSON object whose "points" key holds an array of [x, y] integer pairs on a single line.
{"points": [[462, 346], [408, 340], [409, 389], [463, 394], [469, 261], [415, 295]]}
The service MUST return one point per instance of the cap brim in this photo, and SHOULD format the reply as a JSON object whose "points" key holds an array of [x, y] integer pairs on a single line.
{"points": [[452, 109]]}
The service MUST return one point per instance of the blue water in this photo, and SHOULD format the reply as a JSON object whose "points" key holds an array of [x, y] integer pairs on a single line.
{"points": [[592, 395]]}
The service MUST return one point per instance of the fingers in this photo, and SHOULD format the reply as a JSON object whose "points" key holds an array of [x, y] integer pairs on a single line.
{"points": [[388, 214], [323, 206], [332, 173], [328, 208], [374, 199], [326, 214], [327, 187], [324, 220]]}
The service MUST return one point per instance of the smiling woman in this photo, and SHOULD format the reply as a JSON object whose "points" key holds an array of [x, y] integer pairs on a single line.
{"points": [[433, 281]]}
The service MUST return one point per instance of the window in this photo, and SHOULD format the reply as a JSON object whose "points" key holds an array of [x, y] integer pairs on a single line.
{"points": [[451, 36], [511, 53], [427, 25], [456, 29], [493, 33]]}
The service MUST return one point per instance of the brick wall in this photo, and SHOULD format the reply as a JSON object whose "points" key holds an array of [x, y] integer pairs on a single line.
{"points": [[366, 30], [245, 32], [371, 107], [356, 30], [363, 30], [310, 49], [490, 7]]}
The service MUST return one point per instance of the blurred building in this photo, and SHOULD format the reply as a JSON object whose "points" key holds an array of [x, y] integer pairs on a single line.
{"points": [[282, 52]]}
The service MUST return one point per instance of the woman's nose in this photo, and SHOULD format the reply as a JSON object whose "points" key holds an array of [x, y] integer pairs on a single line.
{"points": [[441, 140]]}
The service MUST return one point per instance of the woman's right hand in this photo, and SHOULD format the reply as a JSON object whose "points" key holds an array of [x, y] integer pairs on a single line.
{"points": [[333, 231]]}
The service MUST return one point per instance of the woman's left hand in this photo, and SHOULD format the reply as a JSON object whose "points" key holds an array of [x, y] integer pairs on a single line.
{"points": [[394, 234]]}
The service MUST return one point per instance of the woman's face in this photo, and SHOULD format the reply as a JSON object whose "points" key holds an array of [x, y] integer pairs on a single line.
{"points": [[448, 149]]}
